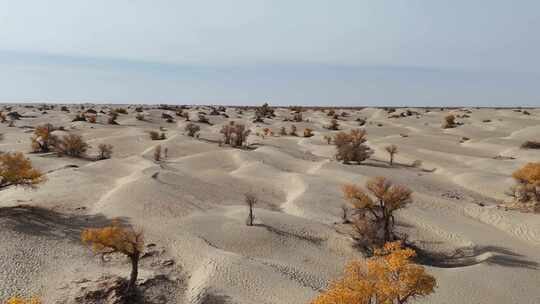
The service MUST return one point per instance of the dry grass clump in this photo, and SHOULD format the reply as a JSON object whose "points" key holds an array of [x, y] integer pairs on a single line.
{"points": [[192, 129], [105, 151], [449, 122], [350, 146], [235, 134], [328, 139], [157, 153], [17, 170], [120, 111], [392, 150], [79, 117], [262, 112], [71, 145], [204, 119], [530, 144], [308, 132], [140, 116], [293, 131], [298, 117], [154, 135], [117, 239], [282, 131], [112, 118], [91, 118], [374, 210], [389, 277]]}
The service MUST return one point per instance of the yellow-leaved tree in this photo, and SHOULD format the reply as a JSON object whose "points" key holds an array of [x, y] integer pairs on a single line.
{"points": [[17, 170], [390, 277], [528, 179], [18, 300], [113, 239]]}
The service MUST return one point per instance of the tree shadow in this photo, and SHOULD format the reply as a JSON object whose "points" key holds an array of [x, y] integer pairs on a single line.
{"points": [[38, 221], [462, 257]]}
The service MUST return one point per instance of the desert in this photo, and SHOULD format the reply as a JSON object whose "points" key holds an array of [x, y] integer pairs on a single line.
{"points": [[265, 204]]}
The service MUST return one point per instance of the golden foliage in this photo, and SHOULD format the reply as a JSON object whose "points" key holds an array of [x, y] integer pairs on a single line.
{"points": [[15, 169], [114, 238], [389, 277], [308, 132], [18, 300], [350, 146], [528, 174], [43, 139]]}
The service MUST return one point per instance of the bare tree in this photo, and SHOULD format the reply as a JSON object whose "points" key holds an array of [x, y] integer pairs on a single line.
{"points": [[392, 149], [251, 200]]}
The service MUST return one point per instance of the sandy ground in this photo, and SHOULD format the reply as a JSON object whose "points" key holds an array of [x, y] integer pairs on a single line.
{"points": [[191, 205]]}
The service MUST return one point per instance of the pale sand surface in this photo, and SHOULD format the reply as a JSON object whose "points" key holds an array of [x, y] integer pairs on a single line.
{"points": [[191, 204]]}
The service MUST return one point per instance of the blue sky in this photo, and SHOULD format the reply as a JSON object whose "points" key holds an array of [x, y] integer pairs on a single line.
{"points": [[385, 52]]}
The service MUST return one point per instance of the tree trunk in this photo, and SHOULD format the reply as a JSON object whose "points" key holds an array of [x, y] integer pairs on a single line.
{"points": [[391, 159], [132, 284], [387, 234], [250, 215]]}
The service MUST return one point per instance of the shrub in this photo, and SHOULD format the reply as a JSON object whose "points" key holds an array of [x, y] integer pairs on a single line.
{"points": [[157, 153], [140, 116], [328, 139], [154, 135], [264, 111], [529, 144], [268, 132], [17, 170], [528, 179], [308, 132], [392, 149], [203, 119], [293, 131], [18, 300], [120, 111], [378, 213], [92, 118], [449, 121], [43, 140], [79, 117], [71, 145], [105, 151], [361, 121], [351, 147], [192, 129], [388, 277], [112, 118], [117, 239], [331, 113], [334, 125], [251, 200], [234, 134], [282, 131], [298, 117]]}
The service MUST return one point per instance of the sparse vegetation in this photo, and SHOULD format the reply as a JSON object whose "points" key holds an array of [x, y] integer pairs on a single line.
{"points": [[157, 153], [154, 135], [334, 125], [527, 189], [117, 239], [19, 300], [282, 131], [390, 277], [235, 134], [351, 146], [17, 170], [308, 132], [293, 131]]}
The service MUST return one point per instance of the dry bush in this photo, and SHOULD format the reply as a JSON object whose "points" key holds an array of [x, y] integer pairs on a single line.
{"points": [[449, 122], [204, 119], [331, 113], [350, 146], [268, 132], [298, 117], [282, 131], [157, 153], [361, 121], [17, 170], [328, 139], [112, 118], [19, 300], [334, 125], [105, 151], [120, 111], [64, 108], [192, 129], [3, 116], [377, 212], [117, 239], [529, 144], [43, 140], [71, 145], [92, 118], [387, 278], [235, 134], [79, 117], [264, 111], [528, 183], [154, 135], [308, 132], [251, 200], [293, 131], [140, 116], [392, 150]]}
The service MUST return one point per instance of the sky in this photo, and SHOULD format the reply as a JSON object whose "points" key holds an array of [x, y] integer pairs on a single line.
{"points": [[309, 52]]}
